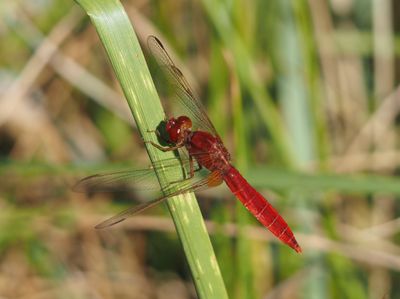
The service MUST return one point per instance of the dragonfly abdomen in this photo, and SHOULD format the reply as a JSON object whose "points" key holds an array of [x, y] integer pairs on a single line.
{"points": [[260, 207]]}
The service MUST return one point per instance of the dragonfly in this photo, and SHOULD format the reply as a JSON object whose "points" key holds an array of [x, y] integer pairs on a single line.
{"points": [[199, 148]]}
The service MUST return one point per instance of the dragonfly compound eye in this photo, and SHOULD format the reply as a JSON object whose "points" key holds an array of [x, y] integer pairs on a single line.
{"points": [[171, 123], [184, 122], [173, 128], [177, 128]]}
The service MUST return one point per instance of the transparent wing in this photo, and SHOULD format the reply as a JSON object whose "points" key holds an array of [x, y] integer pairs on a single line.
{"points": [[123, 180], [135, 179], [212, 180], [178, 169], [188, 104]]}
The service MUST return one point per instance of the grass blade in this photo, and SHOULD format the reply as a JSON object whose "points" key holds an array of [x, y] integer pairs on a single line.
{"points": [[123, 49]]}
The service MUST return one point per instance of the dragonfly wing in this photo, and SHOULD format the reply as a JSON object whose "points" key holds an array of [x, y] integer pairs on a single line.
{"points": [[134, 179], [188, 102], [129, 212], [212, 180], [124, 180], [198, 183]]}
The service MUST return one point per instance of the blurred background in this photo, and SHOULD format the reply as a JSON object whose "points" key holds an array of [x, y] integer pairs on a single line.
{"points": [[305, 96]]}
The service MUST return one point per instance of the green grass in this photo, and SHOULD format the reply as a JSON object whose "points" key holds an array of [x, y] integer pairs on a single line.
{"points": [[123, 49], [289, 86]]}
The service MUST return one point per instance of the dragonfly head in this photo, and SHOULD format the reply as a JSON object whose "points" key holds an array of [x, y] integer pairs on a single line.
{"points": [[177, 128]]}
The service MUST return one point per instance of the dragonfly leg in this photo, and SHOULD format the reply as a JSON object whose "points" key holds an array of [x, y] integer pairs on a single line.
{"points": [[191, 167], [165, 148], [156, 131], [192, 170]]}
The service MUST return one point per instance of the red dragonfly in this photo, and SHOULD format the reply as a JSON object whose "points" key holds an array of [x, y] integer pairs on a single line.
{"points": [[199, 147]]}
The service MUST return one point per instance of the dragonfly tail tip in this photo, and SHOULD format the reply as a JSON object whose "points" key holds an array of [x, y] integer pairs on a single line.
{"points": [[298, 249]]}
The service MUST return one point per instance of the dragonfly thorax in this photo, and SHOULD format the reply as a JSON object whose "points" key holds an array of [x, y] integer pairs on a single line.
{"points": [[208, 150], [178, 128]]}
